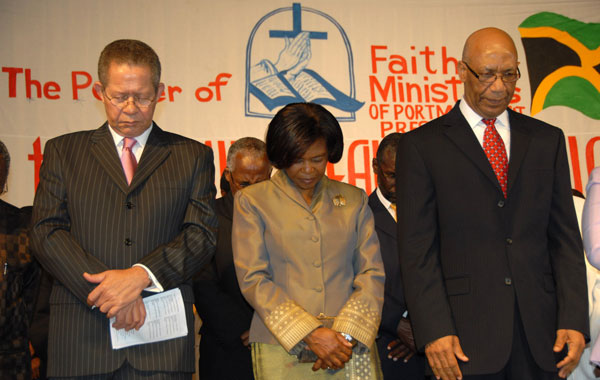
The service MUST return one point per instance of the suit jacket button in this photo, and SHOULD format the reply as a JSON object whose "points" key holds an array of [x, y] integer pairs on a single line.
{"points": [[317, 264], [315, 239], [318, 289], [507, 281], [129, 205], [501, 203], [509, 241], [128, 242]]}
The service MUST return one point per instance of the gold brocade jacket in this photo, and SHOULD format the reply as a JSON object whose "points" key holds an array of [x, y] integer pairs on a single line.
{"points": [[295, 262]]}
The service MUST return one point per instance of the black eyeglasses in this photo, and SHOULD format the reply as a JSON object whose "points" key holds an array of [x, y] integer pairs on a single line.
{"points": [[488, 78], [122, 101]]}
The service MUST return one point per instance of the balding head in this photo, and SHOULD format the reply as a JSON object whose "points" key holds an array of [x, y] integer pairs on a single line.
{"points": [[488, 51], [488, 39]]}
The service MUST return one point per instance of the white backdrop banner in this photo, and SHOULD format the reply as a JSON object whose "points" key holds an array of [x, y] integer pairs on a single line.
{"points": [[379, 66]]}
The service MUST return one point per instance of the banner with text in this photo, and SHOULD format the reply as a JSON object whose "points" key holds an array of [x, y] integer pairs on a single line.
{"points": [[380, 66]]}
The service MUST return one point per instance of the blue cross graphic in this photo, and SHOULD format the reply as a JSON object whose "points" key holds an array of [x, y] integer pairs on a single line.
{"points": [[297, 13]]}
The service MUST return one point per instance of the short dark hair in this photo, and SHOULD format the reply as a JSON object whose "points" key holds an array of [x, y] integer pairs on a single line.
{"points": [[296, 127], [390, 141], [131, 52]]}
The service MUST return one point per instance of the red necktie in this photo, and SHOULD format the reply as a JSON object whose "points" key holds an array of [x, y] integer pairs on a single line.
{"points": [[128, 158], [496, 153]]}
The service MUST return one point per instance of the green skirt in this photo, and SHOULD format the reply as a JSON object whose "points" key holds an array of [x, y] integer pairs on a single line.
{"points": [[272, 362]]}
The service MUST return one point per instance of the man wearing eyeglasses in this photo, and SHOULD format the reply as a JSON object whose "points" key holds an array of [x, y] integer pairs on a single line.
{"points": [[120, 212], [490, 252]]}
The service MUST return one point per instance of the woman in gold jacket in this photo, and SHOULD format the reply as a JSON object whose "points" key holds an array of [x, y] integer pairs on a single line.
{"points": [[307, 257]]}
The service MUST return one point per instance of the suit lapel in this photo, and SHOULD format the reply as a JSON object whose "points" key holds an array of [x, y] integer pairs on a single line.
{"points": [[105, 152], [154, 154], [459, 131], [520, 137], [383, 219]]}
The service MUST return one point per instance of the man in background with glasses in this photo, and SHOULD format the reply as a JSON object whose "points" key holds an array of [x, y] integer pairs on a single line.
{"points": [[490, 251], [121, 212]]}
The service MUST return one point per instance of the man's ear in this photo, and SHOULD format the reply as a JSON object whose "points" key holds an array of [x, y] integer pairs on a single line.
{"points": [[98, 88], [375, 165], [462, 71], [227, 174], [160, 90]]}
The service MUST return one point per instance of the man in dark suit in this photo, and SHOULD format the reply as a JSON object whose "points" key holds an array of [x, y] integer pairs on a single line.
{"points": [[491, 257], [395, 342], [225, 314], [110, 230]]}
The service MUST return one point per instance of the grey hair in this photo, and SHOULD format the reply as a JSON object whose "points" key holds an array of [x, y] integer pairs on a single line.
{"points": [[251, 145]]}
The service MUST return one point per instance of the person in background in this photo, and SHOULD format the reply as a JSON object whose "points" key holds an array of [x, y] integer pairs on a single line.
{"points": [[395, 342], [38, 331], [121, 212], [590, 225], [225, 314], [19, 277], [224, 184], [490, 251], [307, 257]]}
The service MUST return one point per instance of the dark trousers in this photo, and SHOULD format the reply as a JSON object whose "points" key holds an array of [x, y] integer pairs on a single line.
{"points": [[521, 365], [218, 362], [414, 369], [127, 372]]}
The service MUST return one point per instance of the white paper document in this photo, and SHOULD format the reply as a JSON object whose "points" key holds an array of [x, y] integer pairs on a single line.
{"points": [[165, 319]]}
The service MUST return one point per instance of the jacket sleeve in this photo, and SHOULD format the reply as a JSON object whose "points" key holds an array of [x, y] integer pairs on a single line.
{"points": [[361, 314], [180, 259], [51, 239], [566, 251], [284, 318], [419, 249]]}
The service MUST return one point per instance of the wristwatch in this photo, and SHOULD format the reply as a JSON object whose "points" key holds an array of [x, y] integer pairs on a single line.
{"points": [[350, 339]]}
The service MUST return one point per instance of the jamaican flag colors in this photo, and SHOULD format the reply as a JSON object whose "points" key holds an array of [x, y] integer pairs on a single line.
{"points": [[563, 62]]}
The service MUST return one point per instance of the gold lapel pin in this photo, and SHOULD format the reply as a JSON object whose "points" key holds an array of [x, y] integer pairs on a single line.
{"points": [[339, 200]]}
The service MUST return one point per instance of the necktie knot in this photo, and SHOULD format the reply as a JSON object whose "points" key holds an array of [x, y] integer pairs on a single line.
{"points": [[128, 142], [489, 122]]}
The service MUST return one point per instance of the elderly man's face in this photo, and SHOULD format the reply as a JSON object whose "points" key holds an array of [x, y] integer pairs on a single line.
{"points": [[489, 55], [132, 82], [248, 169], [385, 168]]}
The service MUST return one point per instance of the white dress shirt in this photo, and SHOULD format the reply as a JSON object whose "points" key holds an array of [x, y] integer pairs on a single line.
{"points": [[475, 121]]}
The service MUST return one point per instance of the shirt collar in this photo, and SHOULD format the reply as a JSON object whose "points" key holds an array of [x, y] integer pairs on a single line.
{"points": [[474, 119], [383, 199], [141, 139]]}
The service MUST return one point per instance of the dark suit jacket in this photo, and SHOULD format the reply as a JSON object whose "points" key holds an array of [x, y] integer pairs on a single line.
{"points": [[393, 304], [87, 219], [224, 312], [468, 255], [393, 301]]}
